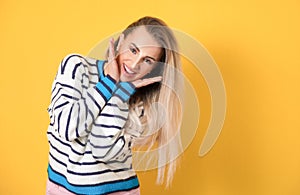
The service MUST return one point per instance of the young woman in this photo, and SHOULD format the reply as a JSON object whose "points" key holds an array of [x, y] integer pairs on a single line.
{"points": [[100, 109]]}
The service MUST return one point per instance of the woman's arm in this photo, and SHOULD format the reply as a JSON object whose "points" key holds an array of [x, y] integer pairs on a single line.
{"points": [[109, 138], [72, 109]]}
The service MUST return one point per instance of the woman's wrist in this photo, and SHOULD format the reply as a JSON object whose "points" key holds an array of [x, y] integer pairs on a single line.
{"points": [[125, 90]]}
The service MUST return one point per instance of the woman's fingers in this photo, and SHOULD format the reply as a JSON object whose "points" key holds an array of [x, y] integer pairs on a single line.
{"points": [[111, 52], [144, 82], [112, 67], [152, 80], [121, 39]]}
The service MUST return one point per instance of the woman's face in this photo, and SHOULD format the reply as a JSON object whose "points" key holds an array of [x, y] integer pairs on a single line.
{"points": [[138, 54]]}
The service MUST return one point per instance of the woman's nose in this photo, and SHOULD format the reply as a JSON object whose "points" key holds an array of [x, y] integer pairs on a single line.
{"points": [[135, 65]]}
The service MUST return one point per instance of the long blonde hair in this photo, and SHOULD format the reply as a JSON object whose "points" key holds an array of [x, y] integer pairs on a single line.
{"points": [[161, 102]]}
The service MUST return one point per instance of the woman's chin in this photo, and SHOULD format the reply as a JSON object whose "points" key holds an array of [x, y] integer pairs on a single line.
{"points": [[125, 78]]}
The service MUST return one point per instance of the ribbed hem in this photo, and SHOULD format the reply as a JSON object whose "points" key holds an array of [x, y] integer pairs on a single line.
{"points": [[93, 189], [125, 90], [106, 86]]}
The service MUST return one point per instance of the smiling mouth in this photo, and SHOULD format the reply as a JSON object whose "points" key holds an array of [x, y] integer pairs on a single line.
{"points": [[127, 70]]}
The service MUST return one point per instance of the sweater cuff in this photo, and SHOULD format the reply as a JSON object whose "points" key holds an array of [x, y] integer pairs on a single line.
{"points": [[125, 90], [106, 86]]}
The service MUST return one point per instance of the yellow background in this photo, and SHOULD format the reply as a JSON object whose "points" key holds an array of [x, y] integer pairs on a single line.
{"points": [[255, 43]]}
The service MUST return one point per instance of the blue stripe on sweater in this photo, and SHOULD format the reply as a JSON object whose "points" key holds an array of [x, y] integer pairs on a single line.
{"points": [[100, 64], [99, 189], [123, 95], [109, 82], [104, 90], [129, 87]]}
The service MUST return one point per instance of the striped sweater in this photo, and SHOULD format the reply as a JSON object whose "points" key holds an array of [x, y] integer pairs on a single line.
{"points": [[89, 149]]}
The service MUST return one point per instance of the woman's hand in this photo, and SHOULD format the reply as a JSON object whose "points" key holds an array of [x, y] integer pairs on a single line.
{"points": [[112, 67], [143, 82]]}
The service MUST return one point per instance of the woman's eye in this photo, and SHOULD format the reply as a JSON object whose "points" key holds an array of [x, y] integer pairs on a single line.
{"points": [[148, 61], [133, 50]]}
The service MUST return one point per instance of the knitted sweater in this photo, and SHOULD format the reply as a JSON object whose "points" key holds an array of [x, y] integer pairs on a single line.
{"points": [[90, 152]]}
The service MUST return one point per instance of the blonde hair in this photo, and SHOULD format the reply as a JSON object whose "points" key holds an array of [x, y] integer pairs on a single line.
{"points": [[162, 112]]}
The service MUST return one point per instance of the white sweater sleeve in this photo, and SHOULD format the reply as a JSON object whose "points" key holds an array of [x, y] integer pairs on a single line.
{"points": [[73, 110], [109, 138]]}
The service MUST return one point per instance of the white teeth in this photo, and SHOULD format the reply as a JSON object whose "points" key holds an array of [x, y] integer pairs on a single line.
{"points": [[128, 70]]}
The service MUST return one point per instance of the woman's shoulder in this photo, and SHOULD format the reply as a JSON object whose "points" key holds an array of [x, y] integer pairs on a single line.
{"points": [[77, 64], [76, 59]]}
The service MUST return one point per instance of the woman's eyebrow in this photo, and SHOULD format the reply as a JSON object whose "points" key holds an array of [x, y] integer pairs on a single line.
{"points": [[136, 47]]}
